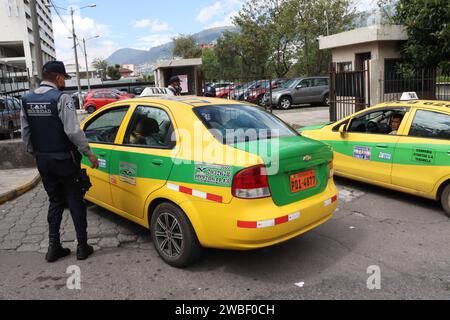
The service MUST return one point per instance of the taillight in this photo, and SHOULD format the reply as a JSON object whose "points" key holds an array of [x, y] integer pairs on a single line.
{"points": [[251, 183]]}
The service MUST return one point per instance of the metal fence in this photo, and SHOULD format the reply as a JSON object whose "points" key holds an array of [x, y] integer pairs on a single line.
{"points": [[349, 92], [429, 84]]}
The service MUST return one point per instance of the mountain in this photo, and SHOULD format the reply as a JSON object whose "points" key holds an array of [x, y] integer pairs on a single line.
{"points": [[139, 57]]}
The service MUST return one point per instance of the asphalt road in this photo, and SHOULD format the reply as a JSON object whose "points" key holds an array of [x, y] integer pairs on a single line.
{"points": [[407, 237]]}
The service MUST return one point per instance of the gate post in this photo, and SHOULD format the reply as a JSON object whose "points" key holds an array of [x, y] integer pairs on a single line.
{"points": [[333, 106]]}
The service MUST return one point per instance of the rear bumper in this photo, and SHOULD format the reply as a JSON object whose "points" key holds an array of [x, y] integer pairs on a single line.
{"points": [[252, 224]]}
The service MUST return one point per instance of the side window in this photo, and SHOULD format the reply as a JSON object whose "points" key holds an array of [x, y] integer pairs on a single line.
{"points": [[98, 96], [306, 83], [10, 105], [378, 122], [430, 124], [2, 105], [321, 82], [149, 127], [104, 127]]}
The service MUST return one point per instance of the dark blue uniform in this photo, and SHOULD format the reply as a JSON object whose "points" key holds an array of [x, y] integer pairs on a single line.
{"points": [[58, 161]]}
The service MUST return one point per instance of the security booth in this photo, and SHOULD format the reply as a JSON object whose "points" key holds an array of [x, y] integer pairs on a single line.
{"points": [[362, 60], [188, 70]]}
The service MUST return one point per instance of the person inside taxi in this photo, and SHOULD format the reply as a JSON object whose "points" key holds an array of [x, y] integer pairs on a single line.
{"points": [[145, 132], [396, 121]]}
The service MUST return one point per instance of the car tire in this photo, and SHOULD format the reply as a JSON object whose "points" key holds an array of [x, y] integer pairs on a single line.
{"points": [[285, 103], [326, 100], [91, 109], [260, 101], [178, 247], [445, 199]]}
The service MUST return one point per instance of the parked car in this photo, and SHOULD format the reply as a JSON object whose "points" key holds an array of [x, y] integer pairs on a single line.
{"points": [[98, 99], [401, 145], [239, 91], [211, 89], [156, 92], [256, 93], [153, 178], [9, 116], [76, 99], [310, 90], [224, 92]]}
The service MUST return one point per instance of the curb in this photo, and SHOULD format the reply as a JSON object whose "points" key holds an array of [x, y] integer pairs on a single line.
{"points": [[13, 194]]}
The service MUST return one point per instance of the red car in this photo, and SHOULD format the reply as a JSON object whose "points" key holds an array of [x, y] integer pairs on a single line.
{"points": [[255, 94], [224, 92], [97, 99]]}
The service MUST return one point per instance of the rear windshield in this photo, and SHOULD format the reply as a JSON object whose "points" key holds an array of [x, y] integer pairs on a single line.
{"points": [[232, 124]]}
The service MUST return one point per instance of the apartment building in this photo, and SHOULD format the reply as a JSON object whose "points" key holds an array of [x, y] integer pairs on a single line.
{"points": [[16, 35]]}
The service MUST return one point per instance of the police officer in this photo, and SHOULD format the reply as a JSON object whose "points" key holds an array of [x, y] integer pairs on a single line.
{"points": [[51, 132], [175, 85]]}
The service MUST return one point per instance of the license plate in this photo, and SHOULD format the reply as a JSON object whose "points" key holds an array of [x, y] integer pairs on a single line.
{"points": [[303, 181]]}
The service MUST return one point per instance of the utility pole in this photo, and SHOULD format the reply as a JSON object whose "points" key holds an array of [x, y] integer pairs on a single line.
{"points": [[37, 44], [74, 36]]}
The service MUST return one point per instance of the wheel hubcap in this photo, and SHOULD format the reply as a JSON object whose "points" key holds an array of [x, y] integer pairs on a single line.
{"points": [[285, 104], [169, 236]]}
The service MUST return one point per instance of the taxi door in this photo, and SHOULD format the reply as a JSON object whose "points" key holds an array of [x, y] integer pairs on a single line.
{"points": [[422, 156], [360, 153], [142, 161], [102, 131]]}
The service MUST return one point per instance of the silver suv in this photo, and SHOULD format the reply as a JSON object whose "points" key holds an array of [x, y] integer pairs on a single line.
{"points": [[310, 90]]}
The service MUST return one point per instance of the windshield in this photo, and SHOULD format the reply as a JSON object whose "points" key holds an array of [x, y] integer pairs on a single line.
{"points": [[232, 124], [290, 84]]}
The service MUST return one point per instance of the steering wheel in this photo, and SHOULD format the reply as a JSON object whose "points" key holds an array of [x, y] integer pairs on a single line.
{"points": [[373, 127]]}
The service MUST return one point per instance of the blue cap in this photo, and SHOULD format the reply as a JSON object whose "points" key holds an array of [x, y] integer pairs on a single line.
{"points": [[56, 67]]}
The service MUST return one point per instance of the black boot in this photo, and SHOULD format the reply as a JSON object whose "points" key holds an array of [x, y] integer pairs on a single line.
{"points": [[84, 250], [55, 250]]}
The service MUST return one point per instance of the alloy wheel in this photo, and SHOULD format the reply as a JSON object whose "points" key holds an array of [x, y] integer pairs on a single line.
{"points": [[169, 235]]}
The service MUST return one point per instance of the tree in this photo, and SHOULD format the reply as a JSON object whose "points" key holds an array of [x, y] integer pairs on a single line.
{"points": [[315, 18], [428, 26], [101, 66], [114, 72], [186, 47]]}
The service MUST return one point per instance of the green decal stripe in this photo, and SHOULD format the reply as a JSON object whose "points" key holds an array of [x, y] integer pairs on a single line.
{"points": [[176, 169], [402, 153]]}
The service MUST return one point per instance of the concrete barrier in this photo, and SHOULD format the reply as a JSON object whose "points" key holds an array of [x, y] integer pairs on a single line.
{"points": [[13, 155]]}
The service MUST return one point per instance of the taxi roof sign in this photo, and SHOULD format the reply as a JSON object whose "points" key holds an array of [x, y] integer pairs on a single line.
{"points": [[408, 96]]}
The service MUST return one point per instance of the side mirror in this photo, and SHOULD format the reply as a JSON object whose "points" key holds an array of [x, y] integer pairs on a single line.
{"points": [[343, 129], [300, 86]]}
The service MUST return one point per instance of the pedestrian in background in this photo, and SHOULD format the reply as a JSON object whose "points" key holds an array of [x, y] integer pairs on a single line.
{"points": [[52, 134], [175, 85]]}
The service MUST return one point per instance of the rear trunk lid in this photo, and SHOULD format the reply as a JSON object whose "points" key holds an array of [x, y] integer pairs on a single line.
{"points": [[289, 158]]}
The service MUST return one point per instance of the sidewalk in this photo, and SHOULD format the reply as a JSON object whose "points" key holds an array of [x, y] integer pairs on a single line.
{"points": [[16, 182], [302, 117]]}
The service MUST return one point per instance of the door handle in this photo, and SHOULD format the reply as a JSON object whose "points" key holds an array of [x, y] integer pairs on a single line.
{"points": [[382, 146], [157, 162], [102, 154]]}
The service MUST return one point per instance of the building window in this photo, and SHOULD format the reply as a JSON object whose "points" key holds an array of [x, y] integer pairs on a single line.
{"points": [[344, 66], [12, 7]]}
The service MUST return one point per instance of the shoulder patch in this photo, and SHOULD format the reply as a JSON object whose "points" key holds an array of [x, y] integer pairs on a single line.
{"points": [[70, 105]]}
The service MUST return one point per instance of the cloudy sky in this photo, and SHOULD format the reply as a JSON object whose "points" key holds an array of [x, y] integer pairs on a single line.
{"points": [[139, 24]]}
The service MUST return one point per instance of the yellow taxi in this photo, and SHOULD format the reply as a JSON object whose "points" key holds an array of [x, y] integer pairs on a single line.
{"points": [[402, 145], [203, 172]]}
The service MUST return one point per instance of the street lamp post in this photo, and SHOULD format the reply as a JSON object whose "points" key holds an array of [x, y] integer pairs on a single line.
{"points": [[86, 60]]}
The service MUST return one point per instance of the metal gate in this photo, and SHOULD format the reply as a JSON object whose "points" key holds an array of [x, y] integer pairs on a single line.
{"points": [[349, 92]]}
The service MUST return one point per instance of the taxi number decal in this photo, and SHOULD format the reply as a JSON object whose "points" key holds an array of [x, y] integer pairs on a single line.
{"points": [[213, 174], [385, 156], [362, 153], [128, 173], [102, 163]]}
